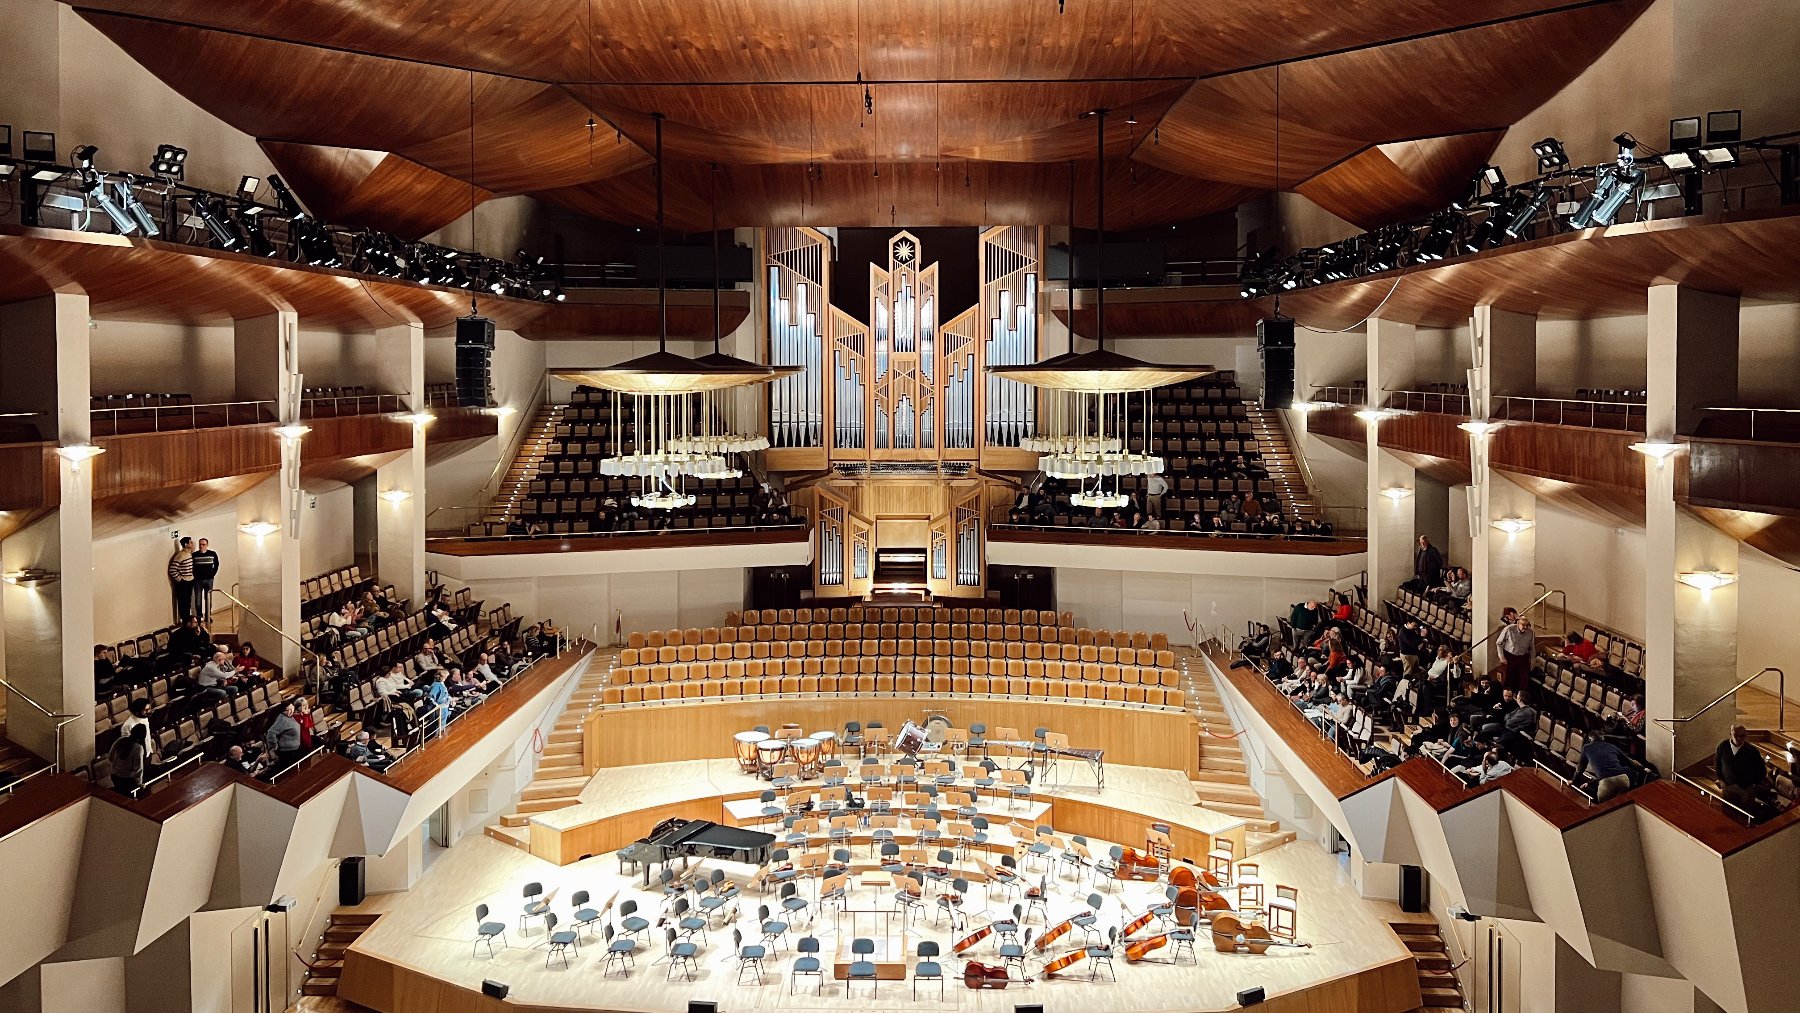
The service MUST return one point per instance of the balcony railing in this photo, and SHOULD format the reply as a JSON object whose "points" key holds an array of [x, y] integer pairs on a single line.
{"points": [[1342, 394], [351, 404], [217, 415], [1430, 401], [1753, 423]]}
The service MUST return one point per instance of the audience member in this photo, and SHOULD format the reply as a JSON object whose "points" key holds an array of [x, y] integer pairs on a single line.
{"points": [[282, 740], [303, 716], [128, 758], [206, 570], [249, 666], [1741, 768], [1428, 566], [190, 643], [439, 696], [1606, 768], [216, 679], [427, 659], [238, 760], [1516, 643], [181, 578], [105, 672], [366, 751], [1493, 767]]}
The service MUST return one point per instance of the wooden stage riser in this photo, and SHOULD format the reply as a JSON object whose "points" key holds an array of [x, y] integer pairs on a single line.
{"points": [[388, 987], [1070, 816], [699, 730]]}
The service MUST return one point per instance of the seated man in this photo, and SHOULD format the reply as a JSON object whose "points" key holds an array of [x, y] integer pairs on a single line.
{"points": [[236, 759], [1741, 769], [369, 753], [189, 644], [216, 679], [427, 659]]}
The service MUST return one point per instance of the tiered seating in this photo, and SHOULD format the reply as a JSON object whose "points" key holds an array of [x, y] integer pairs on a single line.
{"points": [[866, 651], [1442, 625], [329, 591], [1580, 700], [569, 495]]}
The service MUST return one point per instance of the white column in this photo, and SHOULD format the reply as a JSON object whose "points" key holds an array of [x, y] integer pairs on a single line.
{"points": [[1503, 563], [400, 522], [267, 358], [49, 627], [1391, 349], [1690, 634]]}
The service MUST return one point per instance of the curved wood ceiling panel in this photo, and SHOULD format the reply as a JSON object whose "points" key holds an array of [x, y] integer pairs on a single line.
{"points": [[1394, 182], [771, 83], [372, 189]]}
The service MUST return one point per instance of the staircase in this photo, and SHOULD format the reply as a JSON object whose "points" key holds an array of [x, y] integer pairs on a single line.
{"points": [[1223, 781], [1284, 467], [562, 769], [327, 964], [1439, 988], [524, 468]]}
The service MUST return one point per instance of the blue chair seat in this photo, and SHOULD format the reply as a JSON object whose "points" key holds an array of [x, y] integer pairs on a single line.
{"points": [[712, 903], [587, 914], [1012, 950], [491, 928], [687, 949], [637, 924], [806, 965], [622, 946], [752, 952], [692, 924], [794, 904], [1082, 921], [563, 938], [774, 928], [928, 969], [862, 969]]}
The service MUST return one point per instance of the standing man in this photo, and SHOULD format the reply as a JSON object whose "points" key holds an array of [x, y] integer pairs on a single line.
{"points": [[206, 568], [1428, 566], [181, 579], [1516, 643]]}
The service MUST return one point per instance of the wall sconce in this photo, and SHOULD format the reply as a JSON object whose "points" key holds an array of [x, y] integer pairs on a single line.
{"points": [[1374, 415], [1480, 427], [1396, 492], [396, 495], [1514, 525], [75, 453], [31, 577], [1314, 406], [502, 411], [292, 431], [259, 529], [420, 418], [1707, 580], [1660, 451]]}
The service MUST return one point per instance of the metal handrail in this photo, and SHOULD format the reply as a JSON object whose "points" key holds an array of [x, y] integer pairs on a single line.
{"points": [[678, 532], [1502, 411], [272, 627], [1562, 609], [8, 789], [1681, 778], [297, 764], [1422, 400], [170, 773], [1264, 535], [1539, 600], [1345, 394], [1781, 712], [62, 720], [1752, 412]]}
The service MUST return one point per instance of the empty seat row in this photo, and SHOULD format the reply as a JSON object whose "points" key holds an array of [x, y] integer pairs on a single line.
{"points": [[875, 684], [755, 668], [943, 647]]}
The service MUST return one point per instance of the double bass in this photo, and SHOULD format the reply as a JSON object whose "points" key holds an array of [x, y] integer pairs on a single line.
{"points": [[1053, 933], [1229, 933], [969, 941], [1137, 923], [979, 975], [1138, 949], [1064, 962]]}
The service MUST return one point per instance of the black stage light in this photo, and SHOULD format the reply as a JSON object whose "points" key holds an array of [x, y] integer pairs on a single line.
{"points": [[170, 162], [5, 140], [1526, 213], [1626, 142], [1725, 126], [249, 221], [1718, 156], [39, 146], [247, 187], [1494, 178], [1684, 133], [127, 195], [1550, 155], [285, 197], [1440, 237], [84, 156], [313, 244], [212, 215], [94, 185]]}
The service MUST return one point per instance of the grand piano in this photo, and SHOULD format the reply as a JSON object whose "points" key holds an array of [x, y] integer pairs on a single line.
{"points": [[682, 838]]}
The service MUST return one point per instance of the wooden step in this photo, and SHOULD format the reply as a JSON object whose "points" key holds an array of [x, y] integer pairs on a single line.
{"points": [[515, 820], [562, 787], [343, 933], [1237, 809], [545, 805], [1208, 777], [517, 838], [1441, 996], [325, 969], [319, 986], [1415, 928], [330, 951], [559, 772], [353, 918], [574, 736]]}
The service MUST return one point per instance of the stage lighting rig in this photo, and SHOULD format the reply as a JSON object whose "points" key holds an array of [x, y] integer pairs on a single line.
{"points": [[1614, 185], [211, 212], [1550, 155], [1524, 214], [169, 163]]}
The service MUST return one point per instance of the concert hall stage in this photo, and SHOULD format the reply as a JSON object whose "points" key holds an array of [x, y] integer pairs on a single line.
{"points": [[417, 956]]}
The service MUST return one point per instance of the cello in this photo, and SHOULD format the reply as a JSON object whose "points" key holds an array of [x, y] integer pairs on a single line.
{"points": [[1053, 933], [972, 938], [1229, 933], [1139, 949], [1137, 923], [1063, 962]]}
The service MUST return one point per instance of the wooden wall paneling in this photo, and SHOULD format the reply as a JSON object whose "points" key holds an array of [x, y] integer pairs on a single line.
{"points": [[147, 461], [1744, 475], [601, 543], [29, 479], [372, 189], [1387, 183], [116, 514], [631, 313], [1775, 534], [697, 731], [1165, 312], [1569, 454], [1339, 424]]}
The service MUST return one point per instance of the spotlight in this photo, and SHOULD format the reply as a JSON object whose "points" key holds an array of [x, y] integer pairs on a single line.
{"points": [[285, 197], [1550, 155], [1679, 161], [1718, 157], [212, 214], [312, 244], [94, 185], [170, 162], [247, 187], [39, 146], [1527, 212], [1494, 178], [1626, 142], [127, 196], [1684, 133], [1725, 126], [1442, 236], [249, 221], [5, 140], [1614, 188], [84, 156]]}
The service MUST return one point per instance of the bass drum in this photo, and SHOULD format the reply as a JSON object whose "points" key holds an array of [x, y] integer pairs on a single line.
{"points": [[910, 740]]}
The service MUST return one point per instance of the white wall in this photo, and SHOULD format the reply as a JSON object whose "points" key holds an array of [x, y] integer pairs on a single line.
{"points": [[655, 600], [328, 530], [1607, 352], [517, 369], [1601, 566], [1768, 355], [134, 566], [1155, 602], [129, 357], [1767, 590]]}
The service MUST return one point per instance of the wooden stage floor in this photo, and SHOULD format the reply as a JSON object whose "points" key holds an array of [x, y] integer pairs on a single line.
{"points": [[418, 955]]}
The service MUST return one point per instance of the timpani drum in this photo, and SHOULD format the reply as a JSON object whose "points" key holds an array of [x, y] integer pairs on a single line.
{"points": [[806, 754], [743, 746], [828, 746], [770, 752], [910, 740], [789, 731]]}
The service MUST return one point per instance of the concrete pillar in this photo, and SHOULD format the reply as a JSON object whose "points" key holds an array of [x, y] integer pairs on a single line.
{"points": [[1391, 348], [267, 356], [1503, 563], [1690, 633], [49, 627], [400, 522]]}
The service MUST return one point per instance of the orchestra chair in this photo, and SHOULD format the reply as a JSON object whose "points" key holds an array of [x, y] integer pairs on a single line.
{"points": [[1221, 857], [621, 951], [1182, 939], [1087, 923], [1284, 913], [486, 930], [862, 968], [1014, 953], [807, 963], [632, 923], [561, 943], [748, 957], [928, 968], [534, 906], [683, 954], [583, 915], [1097, 955], [1249, 886]]}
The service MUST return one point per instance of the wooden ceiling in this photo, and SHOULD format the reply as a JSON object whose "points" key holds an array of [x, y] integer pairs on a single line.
{"points": [[1384, 106]]}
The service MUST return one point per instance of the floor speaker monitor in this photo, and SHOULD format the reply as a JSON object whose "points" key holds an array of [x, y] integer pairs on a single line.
{"points": [[495, 989], [1250, 996]]}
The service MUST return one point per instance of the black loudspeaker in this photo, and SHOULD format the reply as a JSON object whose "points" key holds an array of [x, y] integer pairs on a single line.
{"points": [[778, 587], [1250, 996], [1412, 889], [495, 989], [352, 882], [1023, 587], [474, 354], [1275, 342], [1032, 1008], [695, 1006]]}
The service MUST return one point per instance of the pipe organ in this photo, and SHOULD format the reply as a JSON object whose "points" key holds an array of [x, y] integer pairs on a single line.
{"points": [[1009, 297], [799, 295]]}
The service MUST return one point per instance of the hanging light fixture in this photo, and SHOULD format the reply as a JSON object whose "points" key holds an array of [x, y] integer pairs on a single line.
{"points": [[1091, 398], [674, 431]]}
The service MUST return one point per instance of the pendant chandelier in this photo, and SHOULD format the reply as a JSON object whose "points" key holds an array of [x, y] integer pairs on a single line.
{"points": [[1091, 400], [676, 431]]}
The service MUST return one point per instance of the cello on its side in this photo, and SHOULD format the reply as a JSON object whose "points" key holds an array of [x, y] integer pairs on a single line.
{"points": [[1139, 949]]}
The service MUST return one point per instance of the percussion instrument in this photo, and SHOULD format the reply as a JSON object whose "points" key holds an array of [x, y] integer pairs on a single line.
{"points": [[979, 975], [744, 745], [806, 754], [828, 745], [1137, 950], [770, 752], [788, 731], [910, 740], [1137, 923], [1052, 934], [1064, 962], [972, 938]]}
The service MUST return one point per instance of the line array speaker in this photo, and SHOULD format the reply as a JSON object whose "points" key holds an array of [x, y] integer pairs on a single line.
{"points": [[474, 355], [1275, 342]]}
